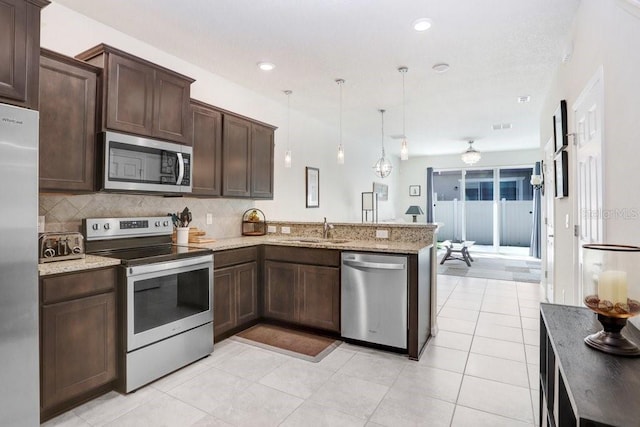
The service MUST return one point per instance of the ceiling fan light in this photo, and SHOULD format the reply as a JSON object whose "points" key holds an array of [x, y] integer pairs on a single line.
{"points": [[471, 156]]}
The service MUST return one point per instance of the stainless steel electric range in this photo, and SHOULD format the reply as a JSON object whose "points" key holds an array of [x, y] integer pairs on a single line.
{"points": [[165, 296]]}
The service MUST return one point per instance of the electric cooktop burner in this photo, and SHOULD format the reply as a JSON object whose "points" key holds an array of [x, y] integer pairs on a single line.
{"points": [[135, 241]]}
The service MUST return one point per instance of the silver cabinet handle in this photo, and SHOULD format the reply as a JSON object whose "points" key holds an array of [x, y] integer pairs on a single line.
{"points": [[374, 265]]}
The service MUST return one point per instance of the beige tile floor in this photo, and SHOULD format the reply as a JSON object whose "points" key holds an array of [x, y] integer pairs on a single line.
{"points": [[481, 370]]}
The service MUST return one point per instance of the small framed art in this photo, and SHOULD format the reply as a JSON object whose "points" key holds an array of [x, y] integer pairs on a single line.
{"points": [[414, 190]]}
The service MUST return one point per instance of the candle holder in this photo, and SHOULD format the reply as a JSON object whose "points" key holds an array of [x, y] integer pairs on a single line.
{"points": [[611, 286]]}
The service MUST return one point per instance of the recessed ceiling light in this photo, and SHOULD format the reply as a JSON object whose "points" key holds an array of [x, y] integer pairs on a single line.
{"points": [[266, 66], [440, 68], [422, 24], [524, 99]]}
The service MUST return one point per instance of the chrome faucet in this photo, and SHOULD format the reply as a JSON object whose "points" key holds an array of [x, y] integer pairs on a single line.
{"points": [[325, 228]]}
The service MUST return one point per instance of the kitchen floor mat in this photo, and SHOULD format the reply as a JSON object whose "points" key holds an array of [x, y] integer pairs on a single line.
{"points": [[294, 343]]}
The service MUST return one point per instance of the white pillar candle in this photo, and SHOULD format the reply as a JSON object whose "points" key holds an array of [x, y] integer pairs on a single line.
{"points": [[612, 286]]}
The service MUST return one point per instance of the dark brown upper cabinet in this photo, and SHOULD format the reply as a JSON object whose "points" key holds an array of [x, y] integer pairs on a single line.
{"points": [[68, 91], [140, 97], [247, 153], [207, 149], [20, 51]]}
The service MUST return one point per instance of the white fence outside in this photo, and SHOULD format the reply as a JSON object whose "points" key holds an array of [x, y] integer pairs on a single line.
{"points": [[515, 219]]}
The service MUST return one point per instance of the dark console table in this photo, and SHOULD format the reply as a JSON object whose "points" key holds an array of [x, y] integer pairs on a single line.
{"points": [[580, 385]]}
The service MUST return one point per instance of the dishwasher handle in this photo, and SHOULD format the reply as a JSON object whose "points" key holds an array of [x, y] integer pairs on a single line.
{"points": [[373, 265]]}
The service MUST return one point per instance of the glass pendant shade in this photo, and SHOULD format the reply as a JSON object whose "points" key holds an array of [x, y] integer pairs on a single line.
{"points": [[287, 159], [471, 156], [404, 150], [287, 154], [383, 166], [340, 82]]}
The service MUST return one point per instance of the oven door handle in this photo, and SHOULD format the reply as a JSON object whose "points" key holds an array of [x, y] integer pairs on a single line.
{"points": [[206, 261], [180, 169]]}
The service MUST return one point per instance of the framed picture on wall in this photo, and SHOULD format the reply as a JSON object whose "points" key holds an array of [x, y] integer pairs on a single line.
{"points": [[560, 135], [312, 179], [561, 167], [382, 190], [414, 190]]}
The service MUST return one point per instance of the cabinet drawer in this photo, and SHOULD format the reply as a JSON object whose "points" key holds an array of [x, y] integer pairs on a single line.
{"points": [[327, 257], [235, 256], [76, 285]]}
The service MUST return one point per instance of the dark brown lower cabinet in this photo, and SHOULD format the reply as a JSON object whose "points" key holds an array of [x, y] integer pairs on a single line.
{"points": [[77, 338], [235, 291], [300, 293]]}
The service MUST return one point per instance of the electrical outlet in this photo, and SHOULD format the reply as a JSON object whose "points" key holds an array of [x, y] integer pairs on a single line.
{"points": [[272, 229], [285, 230], [41, 224], [209, 218], [382, 234]]}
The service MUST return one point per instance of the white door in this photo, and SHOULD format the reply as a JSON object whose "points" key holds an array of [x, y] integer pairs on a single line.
{"points": [[588, 122], [547, 223]]}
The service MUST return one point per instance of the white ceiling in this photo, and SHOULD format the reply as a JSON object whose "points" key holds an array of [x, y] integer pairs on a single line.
{"points": [[497, 49]]}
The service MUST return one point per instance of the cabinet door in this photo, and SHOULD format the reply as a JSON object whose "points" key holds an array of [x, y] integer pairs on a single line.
{"points": [[279, 288], [171, 107], [236, 150], [224, 301], [129, 106], [67, 124], [78, 347], [246, 293], [19, 51], [261, 162], [207, 150], [318, 296]]}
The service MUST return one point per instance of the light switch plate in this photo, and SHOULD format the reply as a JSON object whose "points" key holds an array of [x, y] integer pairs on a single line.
{"points": [[209, 219], [271, 229], [285, 230], [41, 224], [382, 234]]}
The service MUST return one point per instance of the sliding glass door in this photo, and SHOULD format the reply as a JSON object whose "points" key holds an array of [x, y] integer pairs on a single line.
{"points": [[493, 207]]}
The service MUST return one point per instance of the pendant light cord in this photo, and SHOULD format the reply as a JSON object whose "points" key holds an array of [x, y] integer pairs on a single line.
{"points": [[382, 139]]}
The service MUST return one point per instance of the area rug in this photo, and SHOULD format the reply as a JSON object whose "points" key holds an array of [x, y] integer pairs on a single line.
{"points": [[493, 266], [302, 345]]}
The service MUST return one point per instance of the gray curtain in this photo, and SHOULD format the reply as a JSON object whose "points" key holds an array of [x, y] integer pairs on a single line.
{"points": [[429, 191], [534, 247]]}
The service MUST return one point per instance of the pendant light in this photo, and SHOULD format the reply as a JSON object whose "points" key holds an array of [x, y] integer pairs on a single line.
{"points": [[404, 149], [383, 166], [340, 82], [471, 156], [287, 154]]}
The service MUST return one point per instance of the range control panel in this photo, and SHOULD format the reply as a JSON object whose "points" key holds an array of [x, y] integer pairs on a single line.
{"points": [[118, 228]]}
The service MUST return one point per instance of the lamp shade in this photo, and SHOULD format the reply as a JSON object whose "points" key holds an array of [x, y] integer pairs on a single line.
{"points": [[414, 210]]}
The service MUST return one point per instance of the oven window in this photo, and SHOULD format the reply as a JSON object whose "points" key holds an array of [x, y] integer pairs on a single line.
{"points": [[166, 299]]}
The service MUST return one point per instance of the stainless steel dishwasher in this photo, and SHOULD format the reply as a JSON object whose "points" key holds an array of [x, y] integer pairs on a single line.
{"points": [[374, 298]]}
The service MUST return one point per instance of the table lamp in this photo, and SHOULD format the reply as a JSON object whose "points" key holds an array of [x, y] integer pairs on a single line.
{"points": [[414, 211]]}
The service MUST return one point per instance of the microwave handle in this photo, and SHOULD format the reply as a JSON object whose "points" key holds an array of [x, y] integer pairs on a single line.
{"points": [[180, 169]]}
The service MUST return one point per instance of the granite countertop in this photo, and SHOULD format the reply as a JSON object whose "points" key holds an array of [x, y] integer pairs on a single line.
{"points": [[301, 241], [92, 261], [88, 263]]}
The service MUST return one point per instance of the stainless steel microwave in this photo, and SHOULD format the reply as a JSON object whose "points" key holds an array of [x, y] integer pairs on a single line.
{"points": [[133, 163]]}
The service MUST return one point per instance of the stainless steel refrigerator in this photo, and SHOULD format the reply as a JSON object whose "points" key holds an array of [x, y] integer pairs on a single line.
{"points": [[19, 349]]}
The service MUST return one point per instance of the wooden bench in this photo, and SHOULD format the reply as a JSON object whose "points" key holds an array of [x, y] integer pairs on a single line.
{"points": [[457, 247]]}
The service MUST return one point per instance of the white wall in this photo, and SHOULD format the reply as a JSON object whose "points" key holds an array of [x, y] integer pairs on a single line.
{"points": [[414, 172], [604, 34], [313, 143]]}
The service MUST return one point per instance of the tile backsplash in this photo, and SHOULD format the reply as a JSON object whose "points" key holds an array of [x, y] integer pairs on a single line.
{"points": [[65, 212]]}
